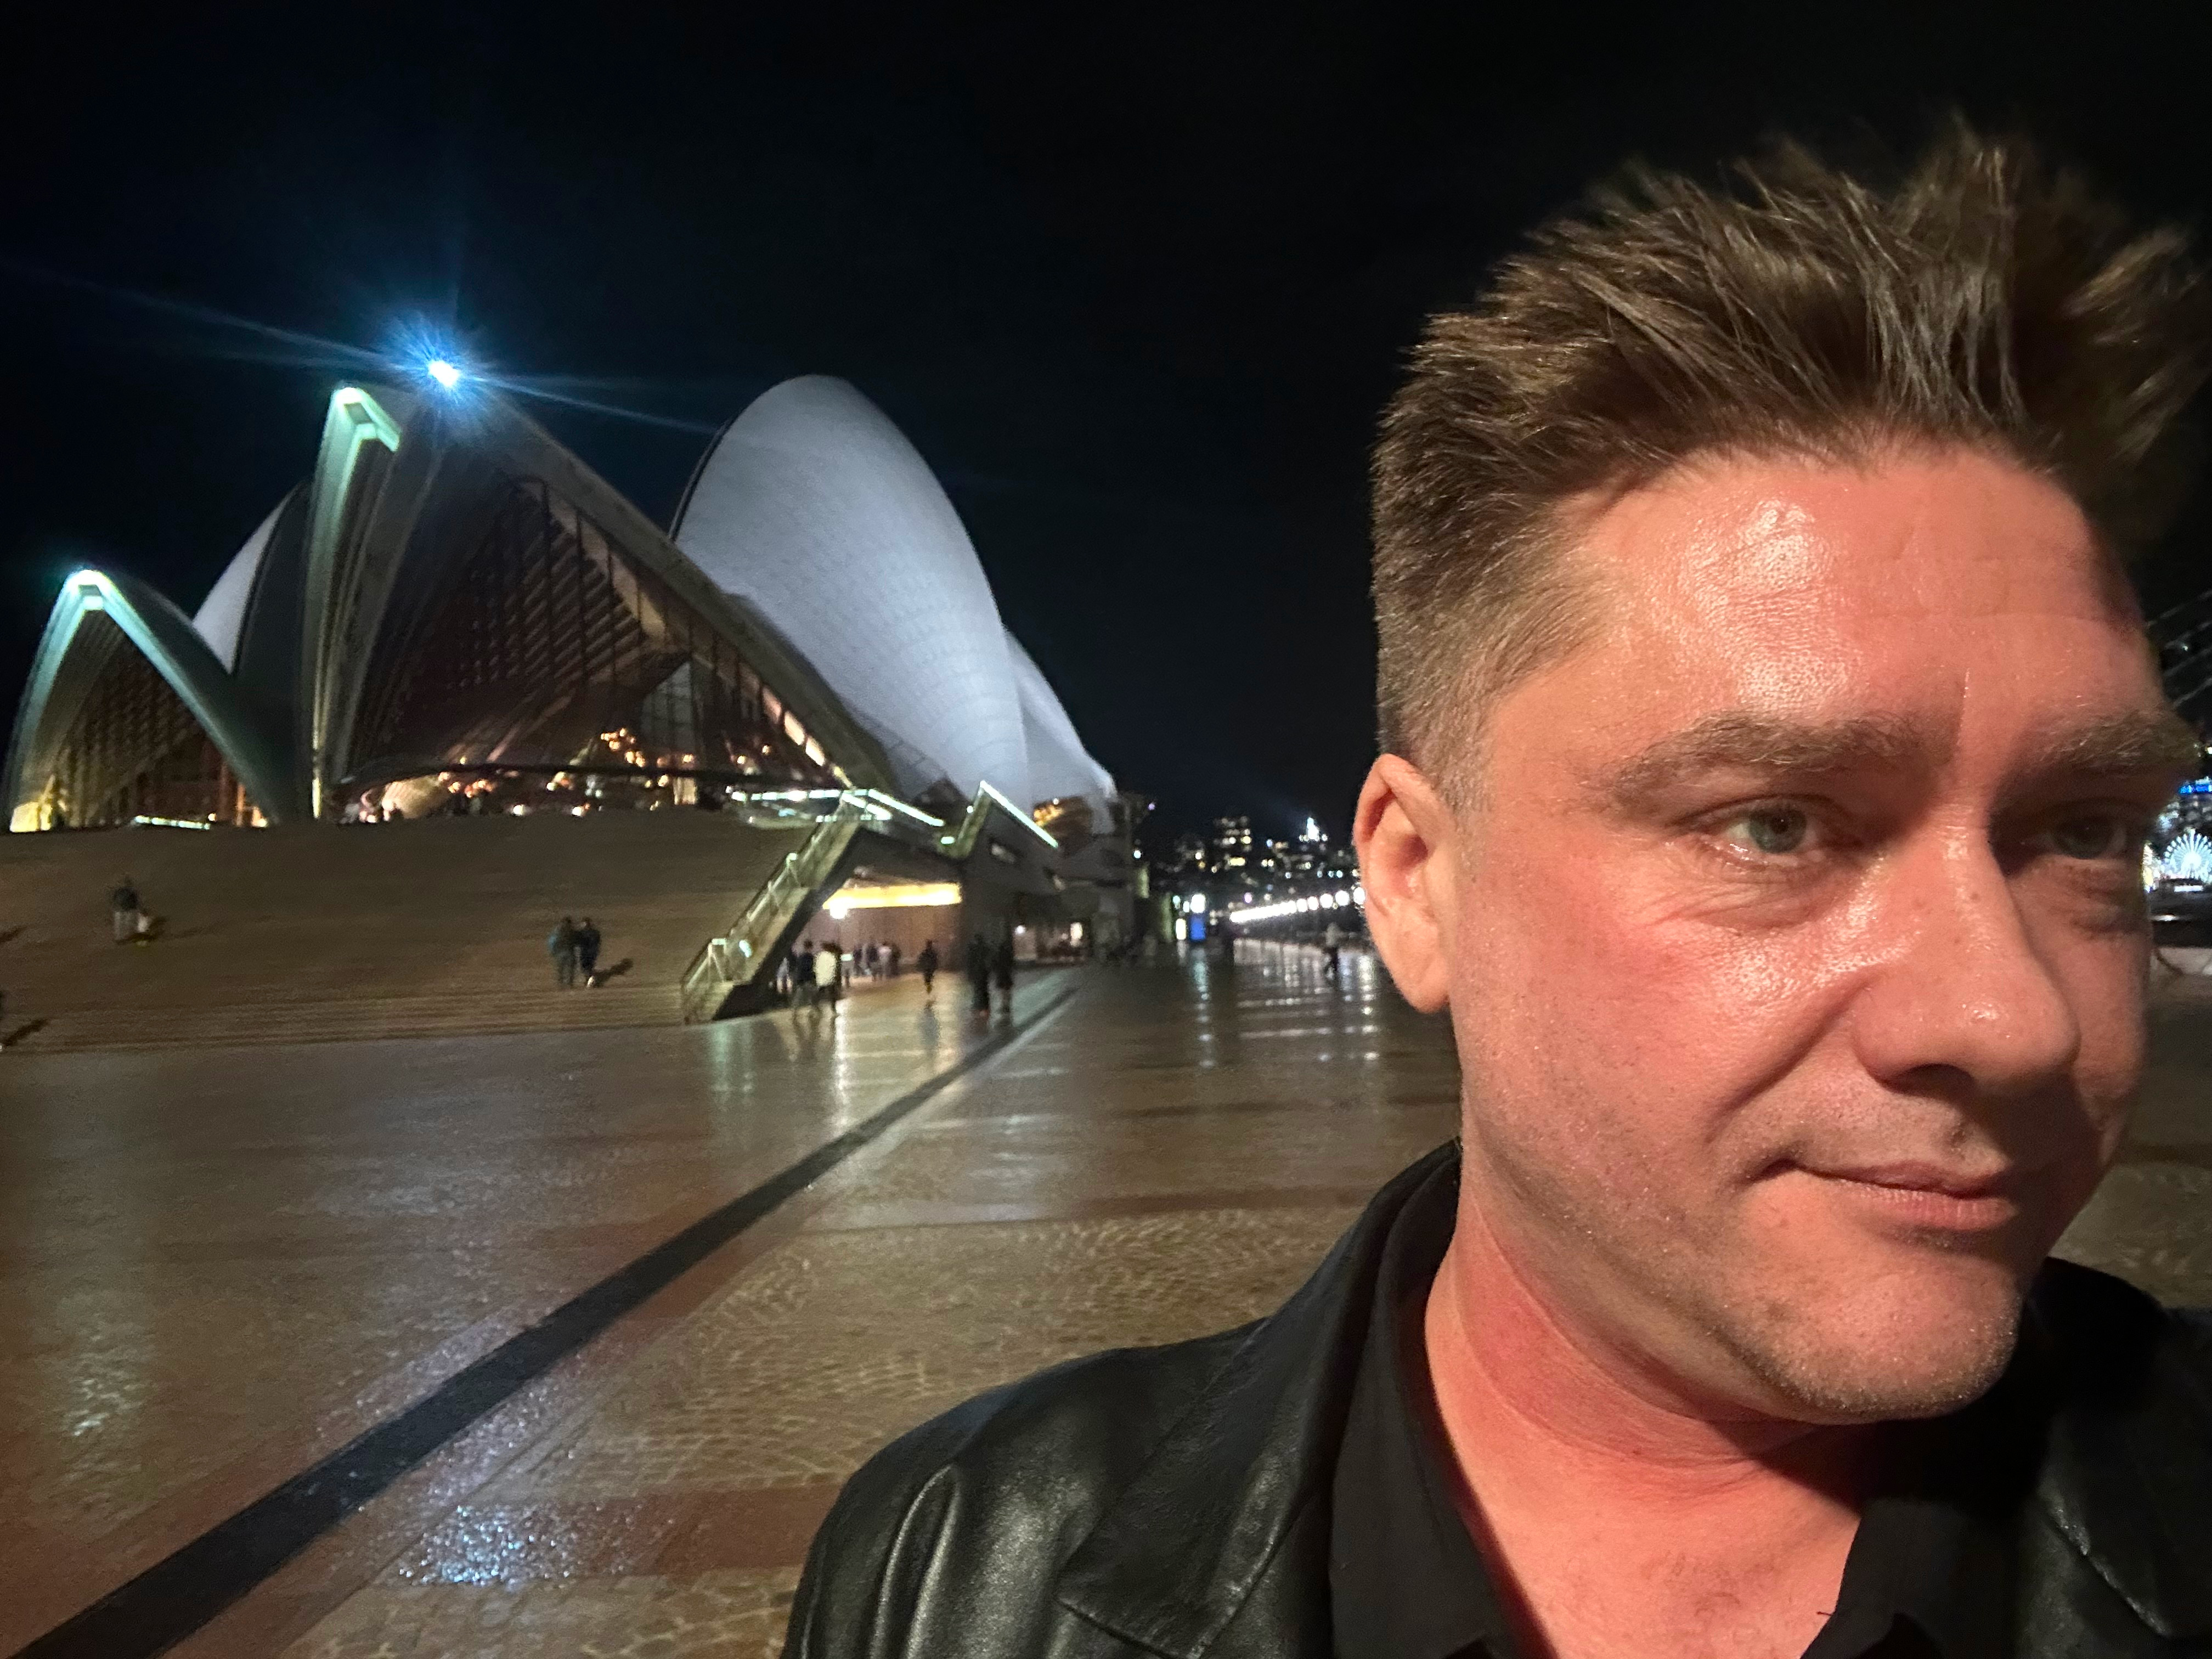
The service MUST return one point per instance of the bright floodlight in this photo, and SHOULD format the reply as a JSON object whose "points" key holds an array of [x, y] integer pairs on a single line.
{"points": [[445, 373]]}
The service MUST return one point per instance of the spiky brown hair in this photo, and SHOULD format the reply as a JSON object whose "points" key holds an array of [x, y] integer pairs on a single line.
{"points": [[1985, 298]]}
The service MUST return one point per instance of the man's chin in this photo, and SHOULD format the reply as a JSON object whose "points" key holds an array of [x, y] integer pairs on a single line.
{"points": [[1896, 1345]]}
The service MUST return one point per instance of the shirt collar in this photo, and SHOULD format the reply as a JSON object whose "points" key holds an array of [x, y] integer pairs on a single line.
{"points": [[1406, 1581], [1936, 1546]]}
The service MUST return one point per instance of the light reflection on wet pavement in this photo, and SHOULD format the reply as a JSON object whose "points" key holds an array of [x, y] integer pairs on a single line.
{"points": [[220, 1265]]}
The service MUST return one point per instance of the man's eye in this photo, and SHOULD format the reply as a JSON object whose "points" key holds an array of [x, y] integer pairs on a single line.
{"points": [[2097, 835], [1774, 830]]}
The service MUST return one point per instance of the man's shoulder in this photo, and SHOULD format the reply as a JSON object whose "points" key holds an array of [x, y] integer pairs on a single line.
{"points": [[2125, 1488], [2120, 1360], [1007, 1486], [2112, 1339], [1057, 1445], [1147, 1492]]}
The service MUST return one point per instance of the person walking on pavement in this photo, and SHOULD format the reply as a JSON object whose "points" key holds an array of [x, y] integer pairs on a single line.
{"points": [[588, 953], [123, 902], [802, 976], [927, 962], [827, 963], [979, 973], [1002, 973], [1332, 944], [561, 945]]}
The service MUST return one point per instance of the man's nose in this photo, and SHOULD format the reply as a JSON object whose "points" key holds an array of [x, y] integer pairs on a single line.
{"points": [[1964, 994]]}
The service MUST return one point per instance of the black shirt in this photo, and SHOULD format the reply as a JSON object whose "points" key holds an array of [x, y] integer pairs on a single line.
{"points": [[1929, 1572]]}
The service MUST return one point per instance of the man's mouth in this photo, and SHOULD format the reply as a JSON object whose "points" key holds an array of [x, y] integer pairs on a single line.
{"points": [[1940, 1196]]}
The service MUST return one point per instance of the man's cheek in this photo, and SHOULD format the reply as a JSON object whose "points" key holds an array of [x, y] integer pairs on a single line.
{"points": [[1675, 996]]}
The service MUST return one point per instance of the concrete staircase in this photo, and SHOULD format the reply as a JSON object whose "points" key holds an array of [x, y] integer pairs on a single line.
{"points": [[318, 933]]}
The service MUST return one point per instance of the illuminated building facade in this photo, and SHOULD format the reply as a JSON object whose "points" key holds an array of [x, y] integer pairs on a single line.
{"points": [[1232, 844], [452, 612]]}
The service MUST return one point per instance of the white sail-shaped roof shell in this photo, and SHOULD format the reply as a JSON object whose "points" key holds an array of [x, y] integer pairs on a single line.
{"points": [[814, 508], [1060, 766], [221, 615]]}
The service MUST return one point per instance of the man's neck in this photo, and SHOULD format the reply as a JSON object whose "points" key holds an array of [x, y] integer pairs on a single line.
{"points": [[1621, 1517]]}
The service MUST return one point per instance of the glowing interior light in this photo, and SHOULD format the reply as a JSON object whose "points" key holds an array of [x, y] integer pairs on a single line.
{"points": [[445, 373]]}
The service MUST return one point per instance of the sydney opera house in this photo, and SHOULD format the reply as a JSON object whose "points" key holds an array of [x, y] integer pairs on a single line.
{"points": [[451, 614]]}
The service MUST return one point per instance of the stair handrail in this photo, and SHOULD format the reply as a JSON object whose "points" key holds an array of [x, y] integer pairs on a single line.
{"points": [[728, 958], [738, 954]]}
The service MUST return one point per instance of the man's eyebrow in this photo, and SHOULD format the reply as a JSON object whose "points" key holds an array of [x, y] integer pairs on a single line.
{"points": [[2135, 744], [1762, 742]]}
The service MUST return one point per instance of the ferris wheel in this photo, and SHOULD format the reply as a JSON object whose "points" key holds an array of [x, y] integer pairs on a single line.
{"points": [[2187, 857]]}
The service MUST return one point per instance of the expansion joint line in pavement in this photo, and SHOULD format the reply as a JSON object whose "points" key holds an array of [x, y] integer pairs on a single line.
{"points": [[185, 1590]]}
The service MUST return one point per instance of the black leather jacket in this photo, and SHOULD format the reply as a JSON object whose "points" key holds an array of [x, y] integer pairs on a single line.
{"points": [[1174, 1501]]}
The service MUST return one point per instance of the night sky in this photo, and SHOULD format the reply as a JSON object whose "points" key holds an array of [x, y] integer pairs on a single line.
{"points": [[1135, 284]]}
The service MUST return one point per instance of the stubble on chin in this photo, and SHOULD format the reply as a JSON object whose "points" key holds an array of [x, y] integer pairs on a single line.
{"points": [[1694, 1301], [1825, 1367], [1798, 1350]]}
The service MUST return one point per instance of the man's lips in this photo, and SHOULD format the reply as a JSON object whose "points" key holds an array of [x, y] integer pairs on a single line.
{"points": [[1932, 1195], [1916, 1177]]}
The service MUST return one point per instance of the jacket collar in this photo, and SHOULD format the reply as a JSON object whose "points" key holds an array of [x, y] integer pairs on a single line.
{"points": [[1172, 1561]]}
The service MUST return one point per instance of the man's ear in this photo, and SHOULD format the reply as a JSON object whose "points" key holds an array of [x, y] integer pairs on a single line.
{"points": [[1408, 862]]}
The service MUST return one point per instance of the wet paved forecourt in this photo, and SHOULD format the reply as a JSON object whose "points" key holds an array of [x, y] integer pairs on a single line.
{"points": [[225, 1268]]}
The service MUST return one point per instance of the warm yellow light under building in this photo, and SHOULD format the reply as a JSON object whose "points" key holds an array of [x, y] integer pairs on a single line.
{"points": [[896, 896]]}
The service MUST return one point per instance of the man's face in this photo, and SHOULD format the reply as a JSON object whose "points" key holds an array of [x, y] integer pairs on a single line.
{"points": [[1796, 948]]}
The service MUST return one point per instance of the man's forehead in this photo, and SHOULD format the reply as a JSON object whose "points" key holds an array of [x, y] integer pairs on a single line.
{"points": [[1788, 576], [1909, 531]]}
